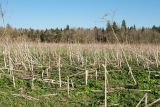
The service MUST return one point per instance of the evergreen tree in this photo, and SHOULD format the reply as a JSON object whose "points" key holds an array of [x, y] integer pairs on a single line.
{"points": [[142, 29], [154, 27], [108, 27], [123, 26], [115, 27], [67, 27], [134, 27]]}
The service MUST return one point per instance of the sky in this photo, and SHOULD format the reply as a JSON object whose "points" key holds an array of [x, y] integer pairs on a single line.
{"points": [[42, 14]]}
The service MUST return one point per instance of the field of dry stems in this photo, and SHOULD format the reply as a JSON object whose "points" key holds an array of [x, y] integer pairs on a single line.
{"points": [[74, 75]]}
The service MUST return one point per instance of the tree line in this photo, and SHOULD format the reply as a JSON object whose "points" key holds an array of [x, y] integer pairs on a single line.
{"points": [[124, 34]]}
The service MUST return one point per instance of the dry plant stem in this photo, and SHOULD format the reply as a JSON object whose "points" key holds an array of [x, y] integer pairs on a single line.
{"points": [[32, 72], [25, 96], [24, 65], [146, 100], [149, 72], [78, 57], [4, 58], [137, 60], [82, 60], [32, 83], [47, 95], [14, 83], [68, 85], [11, 70], [42, 74], [117, 59], [49, 66], [59, 71], [32, 67], [86, 76], [96, 75], [106, 84], [153, 103], [156, 58], [72, 83], [144, 97], [149, 75], [2, 16], [70, 57], [130, 71], [47, 72], [86, 60]]}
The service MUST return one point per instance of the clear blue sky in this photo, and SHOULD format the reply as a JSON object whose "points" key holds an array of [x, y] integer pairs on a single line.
{"points": [[79, 13]]}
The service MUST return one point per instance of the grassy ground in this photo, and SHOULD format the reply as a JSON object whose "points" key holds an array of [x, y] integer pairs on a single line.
{"points": [[73, 75]]}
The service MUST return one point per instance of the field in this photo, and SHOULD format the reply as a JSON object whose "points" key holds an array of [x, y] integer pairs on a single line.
{"points": [[79, 75]]}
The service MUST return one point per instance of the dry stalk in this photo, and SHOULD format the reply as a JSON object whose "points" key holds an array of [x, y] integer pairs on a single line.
{"points": [[96, 75], [131, 73], [13, 79], [59, 71], [70, 57], [49, 68], [47, 72], [106, 83], [72, 83], [124, 54], [86, 76], [24, 65], [156, 58], [3, 20], [68, 85], [144, 97], [154, 102], [82, 60], [32, 83], [4, 58], [11, 69], [42, 75], [137, 60], [47, 95], [25, 96]]}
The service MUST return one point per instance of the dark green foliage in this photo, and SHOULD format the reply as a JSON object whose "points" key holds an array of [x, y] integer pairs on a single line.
{"points": [[124, 26]]}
